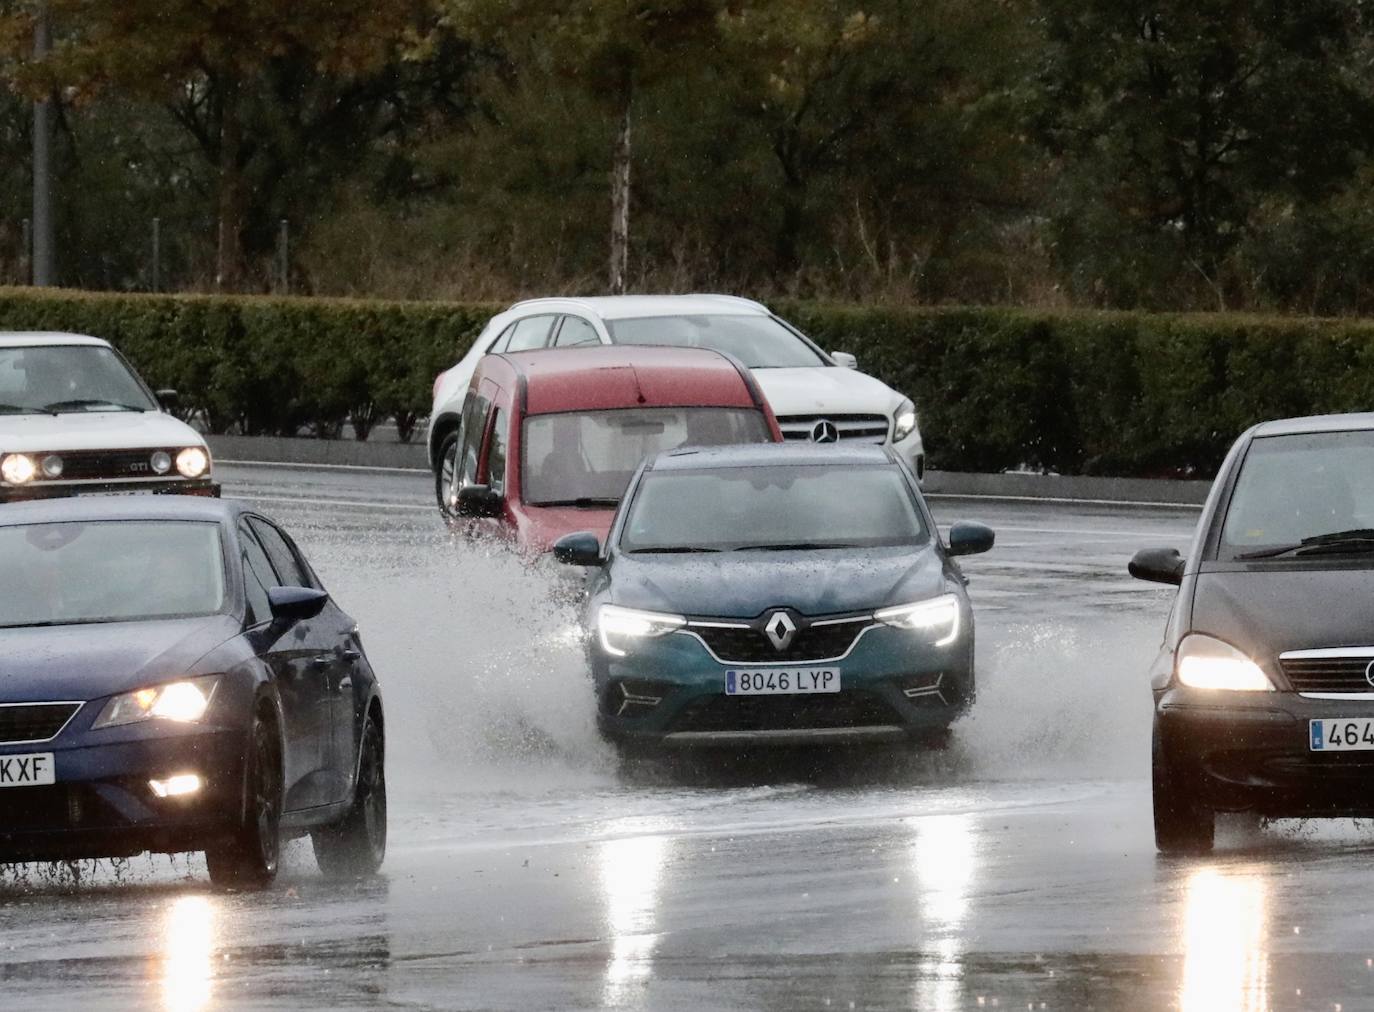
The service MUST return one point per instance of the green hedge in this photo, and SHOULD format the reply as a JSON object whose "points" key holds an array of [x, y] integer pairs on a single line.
{"points": [[1096, 393]]}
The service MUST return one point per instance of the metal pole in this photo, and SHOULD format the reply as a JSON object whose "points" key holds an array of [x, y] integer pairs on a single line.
{"points": [[43, 251], [157, 254], [26, 253], [284, 282]]}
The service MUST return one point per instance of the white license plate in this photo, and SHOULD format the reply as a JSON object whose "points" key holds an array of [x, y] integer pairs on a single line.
{"points": [[781, 682], [1343, 734], [27, 770]]}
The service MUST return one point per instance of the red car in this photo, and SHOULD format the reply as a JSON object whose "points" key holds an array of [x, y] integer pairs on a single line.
{"points": [[550, 439]]}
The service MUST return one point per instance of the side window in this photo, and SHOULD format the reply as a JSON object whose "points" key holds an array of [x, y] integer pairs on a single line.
{"points": [[284, 559], [258, 576], [500, 343], [530, 333], [474, 425], [575, 331], [496, 452]]}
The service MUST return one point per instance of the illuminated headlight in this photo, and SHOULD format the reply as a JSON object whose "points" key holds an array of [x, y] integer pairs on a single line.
{"points": [[182, 702], [937, 618], [161, 462], [903, 421], [618, 628], [1204, 662], [193, 462], [17, 469]]}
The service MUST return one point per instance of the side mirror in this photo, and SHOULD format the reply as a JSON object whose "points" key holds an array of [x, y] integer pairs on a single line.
{"points": [[291, 604], [844, 359], [968, 538], [168, 398], [479, 501], [1158, 565], [580, 549]]}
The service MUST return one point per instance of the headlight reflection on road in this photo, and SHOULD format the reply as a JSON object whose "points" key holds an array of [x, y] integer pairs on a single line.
{"points": [[630, 873], [946, 862], [1225, 963], [188, 954]]}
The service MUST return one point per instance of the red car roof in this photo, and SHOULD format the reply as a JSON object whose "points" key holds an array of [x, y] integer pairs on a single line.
{"points": [[591, 379]]}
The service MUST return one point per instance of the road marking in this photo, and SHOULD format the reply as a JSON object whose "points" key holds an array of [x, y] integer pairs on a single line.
{"points": [[301, 501], [301, 466]]}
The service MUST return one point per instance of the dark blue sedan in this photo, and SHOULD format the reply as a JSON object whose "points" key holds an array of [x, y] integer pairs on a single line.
{"points": [[173, 677]]}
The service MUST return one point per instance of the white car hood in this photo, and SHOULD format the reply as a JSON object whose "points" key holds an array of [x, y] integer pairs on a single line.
{"points": [[95, 430], [823, 390]]}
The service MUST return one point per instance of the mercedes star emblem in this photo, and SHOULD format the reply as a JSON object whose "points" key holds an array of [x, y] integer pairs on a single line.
{"points": [[824, 431], [1369, 673], [780, 630]]}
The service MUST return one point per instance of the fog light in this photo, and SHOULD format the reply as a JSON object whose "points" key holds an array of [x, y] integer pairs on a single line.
{"points": [[161, 462], [192, 462], [52, 466], [176, 787], [17, 469]]}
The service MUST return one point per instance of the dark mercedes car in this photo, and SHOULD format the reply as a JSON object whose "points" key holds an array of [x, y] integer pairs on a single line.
{"points": [[777, 595], [1264, 684], [173, 677]]}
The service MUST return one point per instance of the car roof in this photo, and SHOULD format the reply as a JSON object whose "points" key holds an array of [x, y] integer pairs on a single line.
{"points": [[629, 307], [1316, 423], [117, 507], [769, 455], [600, 378], [22, 338]]}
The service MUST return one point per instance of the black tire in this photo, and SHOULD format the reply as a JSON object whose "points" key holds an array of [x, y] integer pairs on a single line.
{"points": [[1183, 823], [249, 859], [444, 474], [356, 847]]}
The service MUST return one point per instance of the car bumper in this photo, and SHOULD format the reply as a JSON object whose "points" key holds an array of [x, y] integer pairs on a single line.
{"points": [[894, 688], [65, 489], [102, 805], [1254, 754]]}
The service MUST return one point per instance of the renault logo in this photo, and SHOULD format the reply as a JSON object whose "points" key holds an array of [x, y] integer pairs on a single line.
{"points": [[824, 431], [780, 630]]}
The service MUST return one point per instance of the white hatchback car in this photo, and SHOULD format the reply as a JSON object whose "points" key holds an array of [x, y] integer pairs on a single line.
{"points": [[76, 418], [817, 397]]}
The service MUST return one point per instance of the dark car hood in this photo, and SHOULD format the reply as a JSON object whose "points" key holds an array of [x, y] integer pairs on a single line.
{"points": [[1267, 610], [81, 662], [745, 584]]}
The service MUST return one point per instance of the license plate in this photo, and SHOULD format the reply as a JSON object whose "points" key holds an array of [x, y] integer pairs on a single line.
{"points": [[27, 770], [780, 682], [1343, 734]]}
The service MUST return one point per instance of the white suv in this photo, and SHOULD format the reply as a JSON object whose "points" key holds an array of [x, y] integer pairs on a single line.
{"points": [[817, 396], [76, 418]]}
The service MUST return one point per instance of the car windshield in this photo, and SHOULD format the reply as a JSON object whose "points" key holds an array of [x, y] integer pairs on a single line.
{"points": [[778, 507], [1297, 488], [58, 379], [760, 342], [588, 458], [109, 571]]}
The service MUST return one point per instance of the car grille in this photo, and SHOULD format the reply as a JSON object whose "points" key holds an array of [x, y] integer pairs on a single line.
{"points": [[752, 645], [1327, 674], [784, 713], [34, 722], [85, 465], [859, 428]]}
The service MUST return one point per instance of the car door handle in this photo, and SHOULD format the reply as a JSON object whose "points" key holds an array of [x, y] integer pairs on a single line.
{"points": [[352, 655], [323, 661]]}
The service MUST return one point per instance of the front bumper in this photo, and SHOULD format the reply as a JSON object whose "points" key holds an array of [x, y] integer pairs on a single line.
{"points": [[1253, 753], [894, 687], [66, 489], [102, 806]]}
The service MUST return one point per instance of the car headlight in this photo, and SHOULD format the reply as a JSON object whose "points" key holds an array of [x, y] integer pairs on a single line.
{"points": [[17, 469], [184, 702], [937, 617], [1205, 662], [193, 462], [619, 627], [903, 421]]}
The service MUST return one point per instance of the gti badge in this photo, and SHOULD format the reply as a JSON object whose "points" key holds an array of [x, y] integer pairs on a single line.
{"points": [[824, 431], [780, 630]]}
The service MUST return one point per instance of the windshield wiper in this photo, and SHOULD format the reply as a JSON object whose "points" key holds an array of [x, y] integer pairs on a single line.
{"points": [[583, 501], [21, 409], [90, 402], [799, 546], [1360, 539], [672, 550]]}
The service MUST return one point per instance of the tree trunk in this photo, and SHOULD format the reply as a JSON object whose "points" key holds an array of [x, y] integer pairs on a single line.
{"points": [[620, 200], [230, 213]]}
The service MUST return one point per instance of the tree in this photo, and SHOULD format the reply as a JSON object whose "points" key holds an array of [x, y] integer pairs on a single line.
{"points": [[612, 48]]}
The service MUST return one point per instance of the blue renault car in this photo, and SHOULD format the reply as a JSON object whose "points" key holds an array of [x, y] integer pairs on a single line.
{"points": [[777, 595]]}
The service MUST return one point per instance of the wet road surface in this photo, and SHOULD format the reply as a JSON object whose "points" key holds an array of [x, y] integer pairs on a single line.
{"points": [[528, 870]]}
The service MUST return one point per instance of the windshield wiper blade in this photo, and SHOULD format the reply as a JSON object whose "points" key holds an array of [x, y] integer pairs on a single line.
{"points": [[798, 546], [1360, 539], [672, 550], [90, 402], [583, 501]]}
